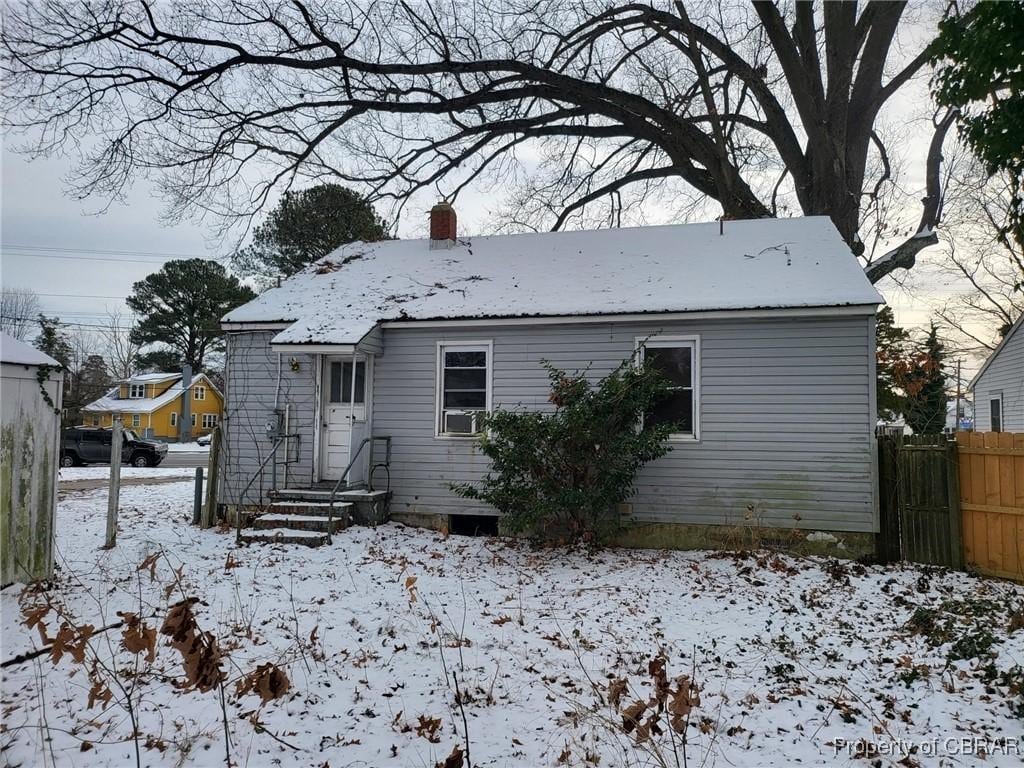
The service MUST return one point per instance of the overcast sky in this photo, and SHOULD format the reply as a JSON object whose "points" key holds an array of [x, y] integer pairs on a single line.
{"points": [[77, 277]]}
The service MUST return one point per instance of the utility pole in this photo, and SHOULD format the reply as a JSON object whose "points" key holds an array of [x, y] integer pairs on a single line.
{"points": [[114, 494], [956, 427]]}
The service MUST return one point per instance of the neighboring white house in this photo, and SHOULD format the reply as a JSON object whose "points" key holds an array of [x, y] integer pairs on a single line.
{"points": [[999, 386], [766, 327], [32, 385]]}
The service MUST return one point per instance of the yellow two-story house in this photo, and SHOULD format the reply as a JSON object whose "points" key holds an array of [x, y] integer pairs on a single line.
{"points": [[151, 405]]}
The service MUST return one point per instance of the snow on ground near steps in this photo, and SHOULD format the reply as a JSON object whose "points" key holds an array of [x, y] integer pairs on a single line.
{"points": [[790, 654]]}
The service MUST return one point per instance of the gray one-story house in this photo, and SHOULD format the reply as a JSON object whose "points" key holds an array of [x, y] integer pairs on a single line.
{"points": [[767, 328], [999, 386]]}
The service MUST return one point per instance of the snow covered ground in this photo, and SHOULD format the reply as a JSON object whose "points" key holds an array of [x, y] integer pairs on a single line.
{"points": [[192, 447], [102, 472], [792, 657]]}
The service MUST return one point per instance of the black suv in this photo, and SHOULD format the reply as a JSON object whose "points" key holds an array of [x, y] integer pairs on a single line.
{"points": [[85, 445]]}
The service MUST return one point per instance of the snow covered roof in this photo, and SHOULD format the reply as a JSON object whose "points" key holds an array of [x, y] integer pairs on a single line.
{"points": [[20, 353], [110, 402], [150, 378], [762, 263]]}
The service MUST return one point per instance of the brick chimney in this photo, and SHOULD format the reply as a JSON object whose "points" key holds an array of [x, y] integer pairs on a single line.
{"points": [[442, 225]]}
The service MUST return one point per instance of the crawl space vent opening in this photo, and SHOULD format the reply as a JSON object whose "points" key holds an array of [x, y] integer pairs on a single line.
{"points": [[473, 525]]}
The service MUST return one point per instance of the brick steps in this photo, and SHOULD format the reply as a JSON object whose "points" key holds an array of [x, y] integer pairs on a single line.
{"points": [[284, 536], [303, 515], [311, 509], [321, 523]]}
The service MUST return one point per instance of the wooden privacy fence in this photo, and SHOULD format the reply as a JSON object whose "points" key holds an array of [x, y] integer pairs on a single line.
{"points": [[992, 501], [953, 503]]}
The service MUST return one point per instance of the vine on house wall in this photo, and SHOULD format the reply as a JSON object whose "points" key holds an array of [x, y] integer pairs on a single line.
{"points": [[42, 376]]}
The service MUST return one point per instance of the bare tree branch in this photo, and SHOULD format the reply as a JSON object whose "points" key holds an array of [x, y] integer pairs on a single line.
{"points": [[762, 109]]}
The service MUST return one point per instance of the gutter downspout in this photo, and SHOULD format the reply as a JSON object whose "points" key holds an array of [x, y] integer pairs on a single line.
{"points": [[351, 411]]}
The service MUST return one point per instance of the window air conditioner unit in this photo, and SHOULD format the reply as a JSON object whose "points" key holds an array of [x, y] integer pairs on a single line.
{"points": [[459, 423]]}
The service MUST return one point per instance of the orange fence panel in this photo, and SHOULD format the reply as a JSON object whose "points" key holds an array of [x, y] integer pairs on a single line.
{"points": [[992, 501]]}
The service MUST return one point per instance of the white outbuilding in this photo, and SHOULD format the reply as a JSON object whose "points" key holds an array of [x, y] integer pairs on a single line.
{"points": [[30, 395]]}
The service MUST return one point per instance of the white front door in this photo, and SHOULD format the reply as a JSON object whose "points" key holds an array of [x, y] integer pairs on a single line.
{"points": [[344, 403]]}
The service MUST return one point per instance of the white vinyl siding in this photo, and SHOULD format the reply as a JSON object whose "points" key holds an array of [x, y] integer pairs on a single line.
{"points": [[252, 390], [784, 413], [784, 410], [1002, 379]]}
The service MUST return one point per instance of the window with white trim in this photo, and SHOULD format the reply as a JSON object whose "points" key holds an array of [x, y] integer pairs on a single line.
{"points": [[209, 420], [198, 392], [193, 419], [995, 413], [463, 387], [340, 380], [676, 357], [95, 421], [174, 419], [136, 420], [136, 391]]}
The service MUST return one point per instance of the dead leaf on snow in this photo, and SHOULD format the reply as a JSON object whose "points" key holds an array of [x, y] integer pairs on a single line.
{"points": [[267, 680], [454, 760], [631, 715]]}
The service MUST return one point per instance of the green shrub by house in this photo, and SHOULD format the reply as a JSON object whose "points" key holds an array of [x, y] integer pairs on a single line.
{"points": [[559, 475]]}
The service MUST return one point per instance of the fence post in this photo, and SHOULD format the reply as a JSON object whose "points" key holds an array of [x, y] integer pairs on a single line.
{"points": [[197, 501], [887, 542], [114, 491], [956, 535], [210, 510]]}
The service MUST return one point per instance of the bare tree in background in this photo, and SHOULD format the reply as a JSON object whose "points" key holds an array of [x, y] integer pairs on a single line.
{"points": [[985, 260], [119, 349], [19, 308], [584, 110]]}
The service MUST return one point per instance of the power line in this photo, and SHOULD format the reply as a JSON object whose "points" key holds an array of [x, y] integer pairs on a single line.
{"points": [[135, 259], [101, 251], [77, 295], [104, 326]]}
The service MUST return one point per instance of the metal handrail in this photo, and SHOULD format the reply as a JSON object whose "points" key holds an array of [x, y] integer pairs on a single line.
{"points": [[278, 442], [337, 485]]}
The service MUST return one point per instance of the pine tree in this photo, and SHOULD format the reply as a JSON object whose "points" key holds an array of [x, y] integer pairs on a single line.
{"points": [[926, 401], [891, 352], [180, 306], [305, 226], [52, 341]]}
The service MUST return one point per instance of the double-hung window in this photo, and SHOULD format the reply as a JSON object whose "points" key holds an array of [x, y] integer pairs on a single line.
{"points": [[678, 359], [463, 387], [209, 420], [136, 391], [136, 420], [198, 392], [174, 419]]}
